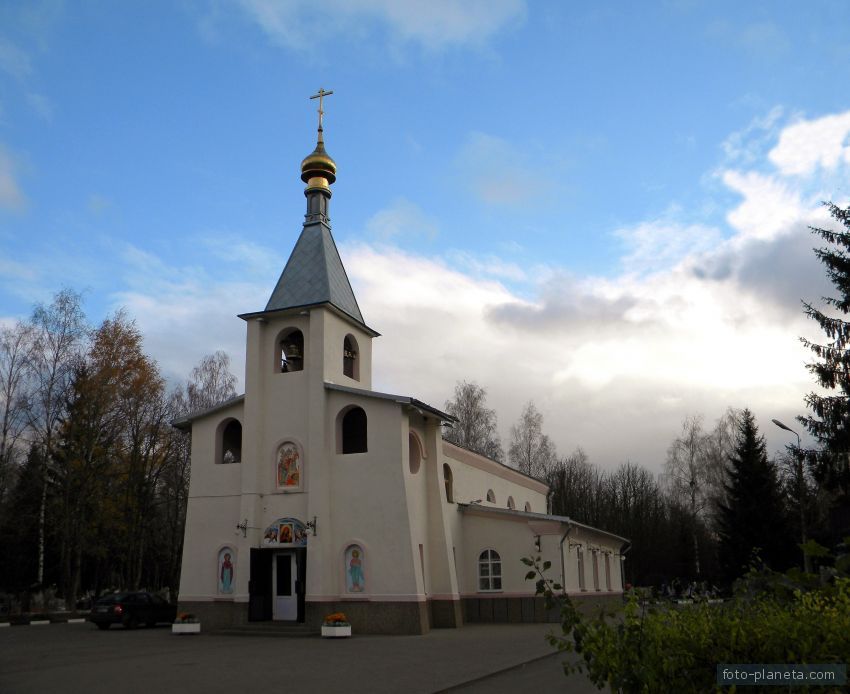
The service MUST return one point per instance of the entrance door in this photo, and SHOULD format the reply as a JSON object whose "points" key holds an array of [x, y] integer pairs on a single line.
{"points": [[284, 576]]}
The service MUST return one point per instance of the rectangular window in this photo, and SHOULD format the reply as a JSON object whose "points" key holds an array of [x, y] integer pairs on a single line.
{"points": [[607, 571], [595, 570]]}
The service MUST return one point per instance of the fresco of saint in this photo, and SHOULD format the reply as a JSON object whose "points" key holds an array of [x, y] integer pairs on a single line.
{"points": [[288, 466], [225, 571], [355, 582]]}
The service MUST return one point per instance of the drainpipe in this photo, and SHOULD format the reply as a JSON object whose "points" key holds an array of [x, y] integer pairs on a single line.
{"points": [[563, 562]]}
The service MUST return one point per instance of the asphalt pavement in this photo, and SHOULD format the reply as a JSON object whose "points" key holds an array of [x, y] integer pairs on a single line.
{"points": [[476, 658]]}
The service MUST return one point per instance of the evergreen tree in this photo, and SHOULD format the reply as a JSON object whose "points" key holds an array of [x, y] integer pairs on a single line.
{"points": [[752, 518], [829, 422]]}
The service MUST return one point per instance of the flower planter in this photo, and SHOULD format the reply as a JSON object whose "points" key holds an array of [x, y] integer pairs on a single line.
{"points": [[336, 631], [186, 628]]}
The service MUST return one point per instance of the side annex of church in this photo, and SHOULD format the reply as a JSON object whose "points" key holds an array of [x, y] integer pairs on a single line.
{"points": [[312, 493]]}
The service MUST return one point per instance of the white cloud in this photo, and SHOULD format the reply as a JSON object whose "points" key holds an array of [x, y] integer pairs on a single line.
{"points": [[11, 196], [746, 146], [660, 244], [489, 265], [807, 145], [433, 24], [770, 204], [402, 218]]}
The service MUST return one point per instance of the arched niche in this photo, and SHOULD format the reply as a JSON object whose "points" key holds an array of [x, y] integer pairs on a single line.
{"points": [[289, 351], [352, 430], [354, 565], [228, 445], [226, 570], [415, 452], [350, 357], [448, 479]]}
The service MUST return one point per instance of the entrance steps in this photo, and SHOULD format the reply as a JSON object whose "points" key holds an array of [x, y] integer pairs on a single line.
{"points": [[271, 629]]}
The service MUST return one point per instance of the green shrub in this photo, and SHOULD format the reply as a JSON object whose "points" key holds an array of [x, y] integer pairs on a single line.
{"points": [[676, 648]]}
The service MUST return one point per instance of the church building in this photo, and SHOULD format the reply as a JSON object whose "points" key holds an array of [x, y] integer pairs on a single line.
{"points": [[312, 493]]}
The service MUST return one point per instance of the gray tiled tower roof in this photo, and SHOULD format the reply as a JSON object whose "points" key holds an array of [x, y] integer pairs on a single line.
{"points": [[314, 275]]}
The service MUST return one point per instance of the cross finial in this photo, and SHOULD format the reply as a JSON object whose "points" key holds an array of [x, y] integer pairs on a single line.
{"points": [[321, 94]]}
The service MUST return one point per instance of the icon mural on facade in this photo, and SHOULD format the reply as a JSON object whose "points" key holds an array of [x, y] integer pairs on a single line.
{"points": [[288, 466], [226, 571], [354, 578], [286, 531]]}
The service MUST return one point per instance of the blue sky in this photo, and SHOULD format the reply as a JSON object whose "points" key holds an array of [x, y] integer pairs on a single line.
{"points": [[599, 206]]}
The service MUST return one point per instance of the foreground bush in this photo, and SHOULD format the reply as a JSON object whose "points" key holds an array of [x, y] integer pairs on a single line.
{"points": [[668, 648]]}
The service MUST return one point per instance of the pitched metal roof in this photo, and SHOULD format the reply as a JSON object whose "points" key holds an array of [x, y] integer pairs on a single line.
{"points": [[314, 275], [478, 508], [185, 421], [401, 399]]}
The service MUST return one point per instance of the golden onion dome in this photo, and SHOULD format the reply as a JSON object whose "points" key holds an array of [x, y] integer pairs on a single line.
{"points": [[318, 164]]}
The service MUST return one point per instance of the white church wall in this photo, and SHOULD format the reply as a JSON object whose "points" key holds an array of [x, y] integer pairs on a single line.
{"points": [[336, 330], [209, 527], [512, 540], [474, 475], [368, 488], [416, 495]]}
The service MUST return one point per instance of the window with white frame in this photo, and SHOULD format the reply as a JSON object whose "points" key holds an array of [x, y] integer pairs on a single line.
{"points": [[489, 571]]}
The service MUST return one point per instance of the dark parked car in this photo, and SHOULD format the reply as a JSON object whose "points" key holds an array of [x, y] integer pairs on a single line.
{"points": [[131, 609]]}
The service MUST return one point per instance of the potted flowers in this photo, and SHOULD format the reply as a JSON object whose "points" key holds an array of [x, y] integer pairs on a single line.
{"points": [[336, 625], [186, 623]]}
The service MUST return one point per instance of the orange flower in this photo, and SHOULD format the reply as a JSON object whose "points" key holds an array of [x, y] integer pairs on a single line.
{"points": [[335, 617]]}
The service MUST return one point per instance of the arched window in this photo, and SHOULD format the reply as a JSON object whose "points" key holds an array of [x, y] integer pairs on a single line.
{"points": [[414, 452], [528, 507], [447, 476], [350, 361], [290, 352], [511, 504], [489, 570], [491, 496], [229, 444], [352, 436]]}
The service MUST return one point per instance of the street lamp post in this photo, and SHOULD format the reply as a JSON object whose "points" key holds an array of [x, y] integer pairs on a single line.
{"points": [[801, 493]]}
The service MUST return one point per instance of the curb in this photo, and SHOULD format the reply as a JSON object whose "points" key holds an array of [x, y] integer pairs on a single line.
{"points": [[42, 622], [462, 685]]}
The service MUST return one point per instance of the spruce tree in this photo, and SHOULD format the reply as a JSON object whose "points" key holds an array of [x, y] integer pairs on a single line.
{"points": [[829, 421], [752, 518]]}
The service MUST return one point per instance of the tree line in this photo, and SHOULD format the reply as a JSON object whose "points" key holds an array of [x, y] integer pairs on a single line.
{"points": [[93, 477]]}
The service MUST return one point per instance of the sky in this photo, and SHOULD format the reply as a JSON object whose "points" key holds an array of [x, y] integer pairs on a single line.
{"points": [[600, 207]]}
